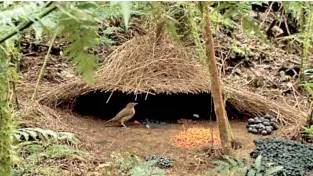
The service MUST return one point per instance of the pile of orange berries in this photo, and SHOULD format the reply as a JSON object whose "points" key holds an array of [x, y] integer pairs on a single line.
{"points": [[195, 137]]}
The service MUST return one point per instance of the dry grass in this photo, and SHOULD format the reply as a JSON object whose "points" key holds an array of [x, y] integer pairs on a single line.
{"points": [[140, 66], [251, 103], [34, 114]]}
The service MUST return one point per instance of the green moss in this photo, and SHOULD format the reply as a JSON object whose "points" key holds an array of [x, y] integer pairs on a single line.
{"points": [[5, 119]]}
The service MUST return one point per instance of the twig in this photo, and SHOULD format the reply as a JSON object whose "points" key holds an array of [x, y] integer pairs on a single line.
{"points": [[110, 144], [268, 11], [294, 92], [286, 24], [146, 97], [44, 65], [224, 60], [270, 27], [109, 97]]}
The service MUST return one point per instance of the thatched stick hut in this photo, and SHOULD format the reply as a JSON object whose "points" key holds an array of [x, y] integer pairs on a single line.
{"points": [[140, 66]]}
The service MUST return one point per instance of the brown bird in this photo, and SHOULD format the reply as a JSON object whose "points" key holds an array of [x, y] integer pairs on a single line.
{"points": [[125, 114]]}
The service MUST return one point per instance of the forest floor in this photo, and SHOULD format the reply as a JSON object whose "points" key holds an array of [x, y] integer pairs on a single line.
{"points": [[105, 140]]}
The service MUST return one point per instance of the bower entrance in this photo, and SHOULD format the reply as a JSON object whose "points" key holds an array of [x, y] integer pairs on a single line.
{"points": [[162, 107]]}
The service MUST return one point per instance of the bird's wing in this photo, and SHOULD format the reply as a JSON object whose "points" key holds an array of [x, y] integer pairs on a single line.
{"points": [[122, 113]]}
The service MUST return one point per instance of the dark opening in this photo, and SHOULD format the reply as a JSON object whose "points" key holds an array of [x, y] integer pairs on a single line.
{"points": [[163, 107]]}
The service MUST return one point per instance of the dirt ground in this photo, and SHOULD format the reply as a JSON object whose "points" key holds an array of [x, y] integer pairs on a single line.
{"points": [[103, 139]]}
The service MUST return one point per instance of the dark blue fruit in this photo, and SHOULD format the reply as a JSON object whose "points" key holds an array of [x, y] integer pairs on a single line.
{"points": [[269, 128], [275, 126], [261, 126], [257, 121], [254, 131], [266, 123], [267, 116], [264, 132], [250, 121], [250, 129]]}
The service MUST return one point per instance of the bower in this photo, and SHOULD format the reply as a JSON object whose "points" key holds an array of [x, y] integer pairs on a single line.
{"points": [[163, 107], [166, 80]]}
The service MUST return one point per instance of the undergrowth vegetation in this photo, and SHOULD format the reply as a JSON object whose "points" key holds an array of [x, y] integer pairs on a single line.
{"points": [[39, 151], [126, 163], [232, 166]]}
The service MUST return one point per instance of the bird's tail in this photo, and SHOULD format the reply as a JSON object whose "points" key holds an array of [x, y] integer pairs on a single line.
{"points": [[109, 121]]}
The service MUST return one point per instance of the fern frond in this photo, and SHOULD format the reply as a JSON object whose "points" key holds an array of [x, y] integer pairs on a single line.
{"points": [[214, 171], [236, 167], [26, 134], [68, 138], [231, 161], [146, 168], [82, 35], [258, 163], [39, 134], [22, 10], [172, 30], [273, 170], [126, 7]]}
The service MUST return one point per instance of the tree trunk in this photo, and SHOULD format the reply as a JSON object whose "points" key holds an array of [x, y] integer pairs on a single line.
{"points": [[302, 19], [5, 119], [309, 120], [306, 46], [222, 120]]}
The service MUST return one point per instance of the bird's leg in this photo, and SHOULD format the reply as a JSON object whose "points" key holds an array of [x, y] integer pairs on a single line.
{"points": [[124, 125]]}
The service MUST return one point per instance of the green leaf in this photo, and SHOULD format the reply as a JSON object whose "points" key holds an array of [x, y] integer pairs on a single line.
{"points": [[24, 134], [214, 171], [17, 137], [172, 30], [258, 162], [146, 168], [309, 87], [231, 161], [151, 162], [111, 30], [69, 138], [46, 133], [308, 84], [240, 162], [225, 171], [126, 7], [251, 172], [112, 3], [221, 163], [33, 134], [273, 170], [248, 158], [241, 171]]}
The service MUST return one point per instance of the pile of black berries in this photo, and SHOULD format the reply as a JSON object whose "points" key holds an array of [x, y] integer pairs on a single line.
{"points": [[162, 161], [296, 158], [262, 125]]}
